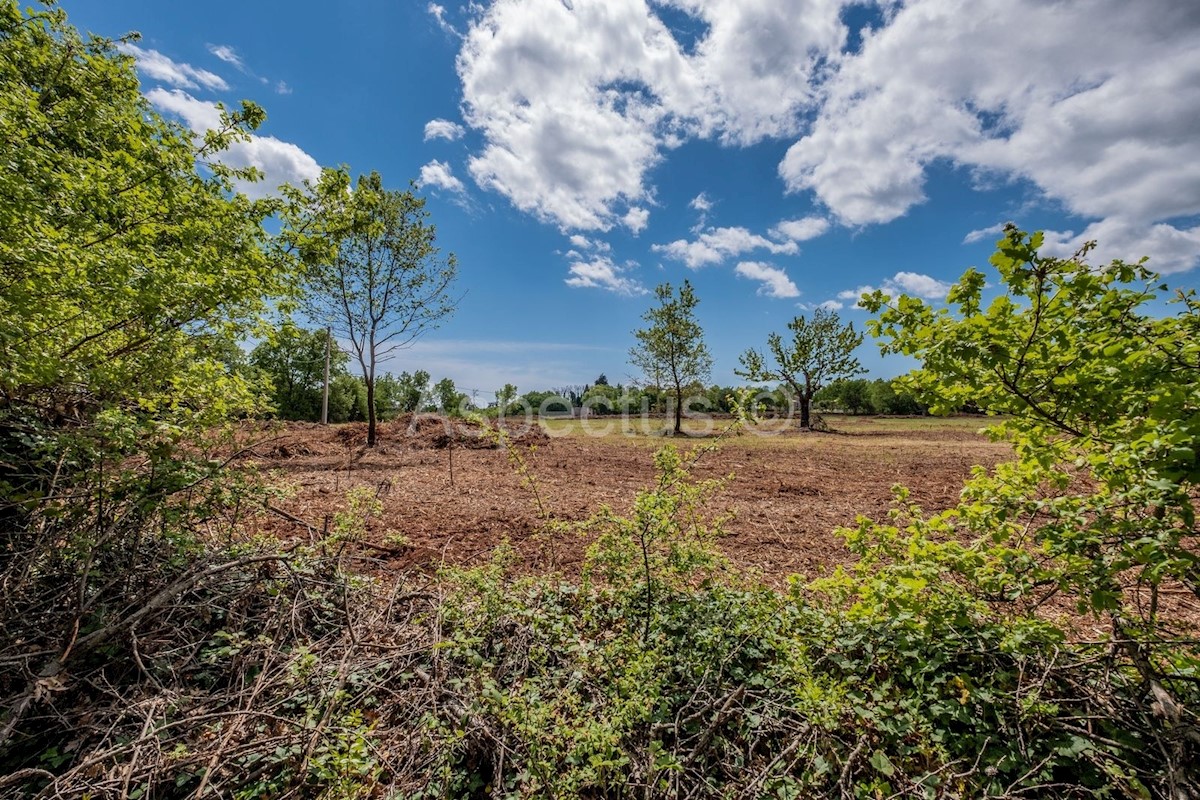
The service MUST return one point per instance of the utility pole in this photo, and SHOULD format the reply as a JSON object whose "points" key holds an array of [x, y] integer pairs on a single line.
{"points": [[325, 395]]}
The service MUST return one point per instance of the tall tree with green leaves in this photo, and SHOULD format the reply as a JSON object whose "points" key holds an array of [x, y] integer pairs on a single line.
{"points": [[821, 351], [671, 352], [451, 401], [373, 271], [123, 268]]}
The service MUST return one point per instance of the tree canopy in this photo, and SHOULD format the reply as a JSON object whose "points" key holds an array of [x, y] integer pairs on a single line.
{"points": [[821, 350], [671, 352], [127, 261], [373, 272]]}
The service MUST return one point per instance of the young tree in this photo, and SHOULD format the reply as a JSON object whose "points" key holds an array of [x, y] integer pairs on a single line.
{"points": [[820, 351], [373, 272], [671, 353]]}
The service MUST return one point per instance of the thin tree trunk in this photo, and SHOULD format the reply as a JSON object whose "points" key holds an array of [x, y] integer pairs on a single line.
{"points": [[678, 412], [371, 412]]}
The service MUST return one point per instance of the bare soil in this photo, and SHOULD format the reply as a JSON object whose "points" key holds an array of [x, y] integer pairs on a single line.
{"points": [[450, 495]]}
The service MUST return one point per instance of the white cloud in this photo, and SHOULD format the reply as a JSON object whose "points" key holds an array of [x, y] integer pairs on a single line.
{"points": [[716, 244], [280, 162], [775, 282], [282, 87], [1093, 103], [438, 13], [801, 230], [760, 63], [600, 272], [982, 233], [439, 175], [703, 205], [584, 243], [910, 283], [443, 129], [855, 294], [832, 305], [636, 219], [155, 65], [228, 55], [577, 101], [914, 283], [1170, 249]]}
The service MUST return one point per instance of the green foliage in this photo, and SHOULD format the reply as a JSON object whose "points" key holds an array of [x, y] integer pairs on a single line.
{"points": [[1101, 401], [293, 359], [547, 402], [129, 270], [347, 399], [506, 398], [126, 273], [450, 401], [671, 352], [412, 391], [820, 351], [860, 396], [373, 271], [660, 671]]}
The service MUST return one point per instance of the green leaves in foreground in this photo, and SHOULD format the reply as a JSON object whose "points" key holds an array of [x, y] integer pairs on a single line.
{"points": [[1099, 392]]}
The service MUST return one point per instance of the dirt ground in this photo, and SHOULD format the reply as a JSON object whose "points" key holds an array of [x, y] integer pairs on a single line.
{"points": [[452, 504]]}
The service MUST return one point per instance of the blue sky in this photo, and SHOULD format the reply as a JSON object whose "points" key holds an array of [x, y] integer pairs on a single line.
{"points": [[780, 154]]}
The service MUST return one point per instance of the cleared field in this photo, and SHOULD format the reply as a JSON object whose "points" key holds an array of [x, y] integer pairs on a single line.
{"points": [[789, 490]]}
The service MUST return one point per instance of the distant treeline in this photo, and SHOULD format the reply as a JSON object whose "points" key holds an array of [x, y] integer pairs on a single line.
{"points": [[293, 359]]}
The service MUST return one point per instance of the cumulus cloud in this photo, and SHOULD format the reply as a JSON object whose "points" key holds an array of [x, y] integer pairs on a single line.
{"points": [[280, 162], [159, 67], [636, 219], [1168, 248], [775, 282], [1099, 115], [1091, 104], [832, 305], [600, 272], [582, 242], [578, 101], [918, 285], [701, 203], [443, 129], [800, 230], [914, 284], [439, 175], [717, 244], [853, 295]]}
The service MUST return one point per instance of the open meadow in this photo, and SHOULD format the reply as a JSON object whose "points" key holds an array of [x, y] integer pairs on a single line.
{"points": [[787, 491]]}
